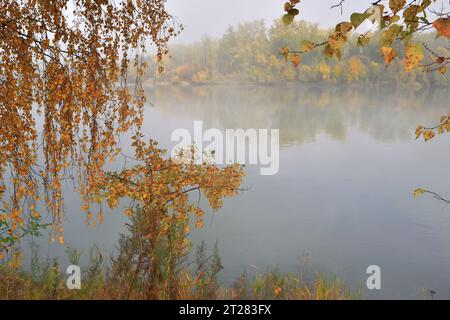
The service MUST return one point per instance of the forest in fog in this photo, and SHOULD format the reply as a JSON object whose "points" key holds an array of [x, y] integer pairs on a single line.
{"points": [[250, 53]]}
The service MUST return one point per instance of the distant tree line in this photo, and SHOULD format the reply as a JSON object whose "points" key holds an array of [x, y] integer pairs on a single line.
{"points": [[250, 53]]}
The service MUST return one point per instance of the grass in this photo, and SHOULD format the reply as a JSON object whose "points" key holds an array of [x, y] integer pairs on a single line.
{"points": [[47, 281], [163, 268], [50, 284]]}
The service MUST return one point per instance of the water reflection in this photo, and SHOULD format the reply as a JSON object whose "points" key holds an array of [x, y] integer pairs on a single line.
{"points": [[302, 113], [348, 165]]}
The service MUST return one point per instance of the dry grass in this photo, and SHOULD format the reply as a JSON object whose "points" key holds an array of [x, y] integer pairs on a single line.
{"points": [[49, 282], [162, 269]]}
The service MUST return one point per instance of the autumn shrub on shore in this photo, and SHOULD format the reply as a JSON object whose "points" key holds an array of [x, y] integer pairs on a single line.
{"points": [[139, 271]]}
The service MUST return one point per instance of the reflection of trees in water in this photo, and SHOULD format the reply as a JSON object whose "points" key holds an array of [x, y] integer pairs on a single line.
{"points": [[304, 112]]}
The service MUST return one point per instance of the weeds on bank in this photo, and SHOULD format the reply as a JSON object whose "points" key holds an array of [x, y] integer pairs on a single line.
{"points": [[163, 267]]}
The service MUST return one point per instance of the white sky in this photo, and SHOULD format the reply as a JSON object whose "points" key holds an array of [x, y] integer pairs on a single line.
{"points": [[212, 17]]}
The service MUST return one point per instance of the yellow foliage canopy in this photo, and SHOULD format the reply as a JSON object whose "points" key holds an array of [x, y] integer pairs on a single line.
{"points": [[64, 94], [161, 187]]}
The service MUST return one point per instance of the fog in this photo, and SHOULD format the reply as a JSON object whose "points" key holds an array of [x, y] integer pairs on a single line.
{"points": [[212, 17]]}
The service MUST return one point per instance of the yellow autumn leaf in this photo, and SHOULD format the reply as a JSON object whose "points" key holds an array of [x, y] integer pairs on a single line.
{"points": [[447, 126], [199, 224], [344, 27], [396, 5], [419, 131], [413, 56], [128, 212], [307, 46], [389, 54], [418, 192], [284, 52], [296, 59], [442, 70], [363, 40], [337, 40]]}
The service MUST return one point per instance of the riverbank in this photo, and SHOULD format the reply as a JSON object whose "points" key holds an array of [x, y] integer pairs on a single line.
{"points": [[48, 281]]}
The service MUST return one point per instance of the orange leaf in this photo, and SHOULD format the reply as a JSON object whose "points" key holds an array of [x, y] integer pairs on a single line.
{"points": [[388, 54], [428, 135], [296, 59], [442, 26]]}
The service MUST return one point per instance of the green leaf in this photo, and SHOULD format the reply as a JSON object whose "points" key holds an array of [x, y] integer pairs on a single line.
{"points": [[388, 36], [358, 18], [288, 19], [293, 12], [362, 41]]}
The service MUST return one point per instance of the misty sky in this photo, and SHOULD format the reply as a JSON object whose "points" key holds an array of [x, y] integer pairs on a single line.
{"points": [[212, 17]]}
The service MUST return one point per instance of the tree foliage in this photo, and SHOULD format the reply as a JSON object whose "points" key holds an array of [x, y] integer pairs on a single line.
{"points": [[398, 21], [250, 52], [65, 98], [159, 190], [162, 186]]}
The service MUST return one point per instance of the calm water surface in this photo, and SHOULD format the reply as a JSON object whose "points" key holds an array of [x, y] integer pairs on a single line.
{"points": [[342, 198]]}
